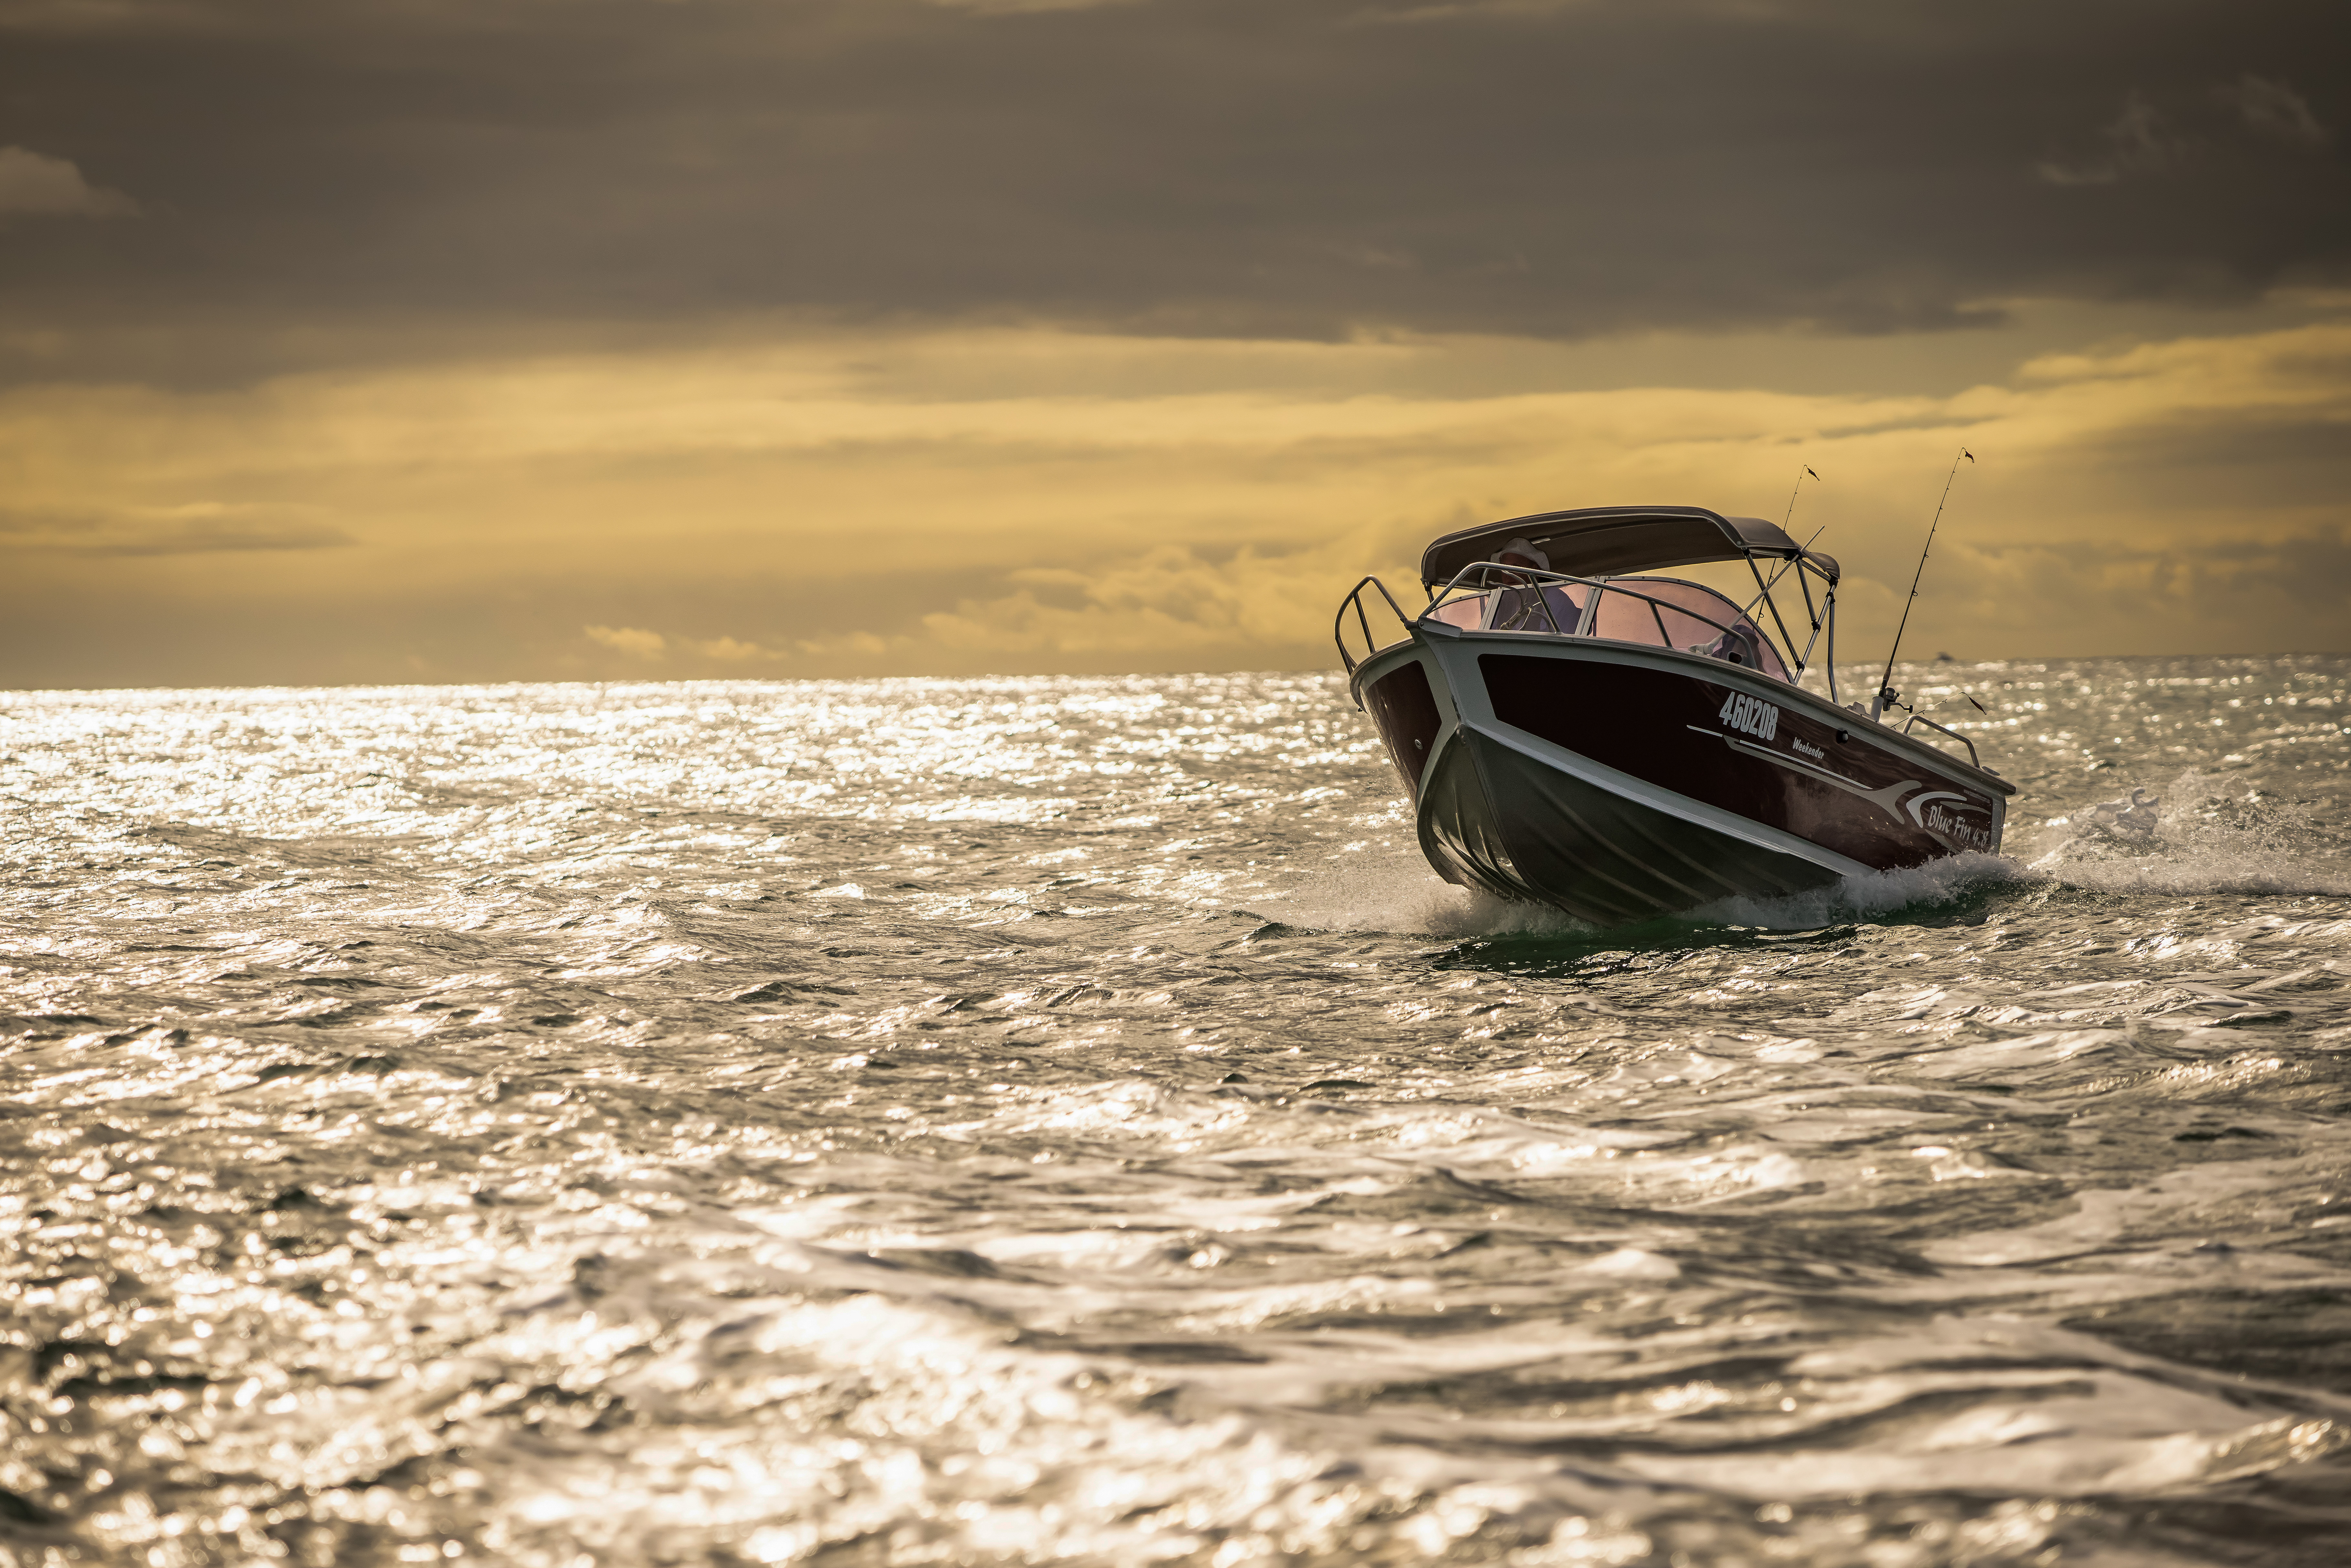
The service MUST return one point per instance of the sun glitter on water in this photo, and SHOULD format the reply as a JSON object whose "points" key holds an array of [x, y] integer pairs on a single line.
{"points": [[1064, 1121]]}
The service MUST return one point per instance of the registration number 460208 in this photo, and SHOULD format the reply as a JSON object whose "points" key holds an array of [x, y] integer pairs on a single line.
{"points": [[1750, 715]]}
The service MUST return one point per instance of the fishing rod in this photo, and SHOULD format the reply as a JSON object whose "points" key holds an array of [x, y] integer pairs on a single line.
{"points": [[1785, 519], [1792, 496], [1887, 695]]}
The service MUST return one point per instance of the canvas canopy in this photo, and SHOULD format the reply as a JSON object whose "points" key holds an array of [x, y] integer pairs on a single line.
{"points": [[1604, 541]]}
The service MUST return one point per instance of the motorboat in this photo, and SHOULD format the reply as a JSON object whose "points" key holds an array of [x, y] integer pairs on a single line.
{"points": [[1577, 730]]}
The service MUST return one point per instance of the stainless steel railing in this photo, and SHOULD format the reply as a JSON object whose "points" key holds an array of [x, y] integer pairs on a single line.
{"points": [[1354, 600], [1955, 734], [1483, 575]]}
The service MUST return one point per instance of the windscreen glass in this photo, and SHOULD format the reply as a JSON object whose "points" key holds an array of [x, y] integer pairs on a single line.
{"points": [[1670, 613], [1552, 609]]}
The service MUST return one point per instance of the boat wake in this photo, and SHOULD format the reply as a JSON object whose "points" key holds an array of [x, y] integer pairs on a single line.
{"points": [[2196, 835], [1397, 894], [1393, 890], [1871, 895], [2187, 837]]}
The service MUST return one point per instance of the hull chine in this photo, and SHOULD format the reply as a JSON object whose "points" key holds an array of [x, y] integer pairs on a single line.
{"points": [[1521, 827]]}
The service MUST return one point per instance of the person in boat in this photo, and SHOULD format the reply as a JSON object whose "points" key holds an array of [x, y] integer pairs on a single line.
{"points": [[1525, 605]]}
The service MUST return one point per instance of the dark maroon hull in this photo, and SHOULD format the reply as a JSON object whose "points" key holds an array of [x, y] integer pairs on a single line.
{"points": [[1668, 728], [1618, 782]]}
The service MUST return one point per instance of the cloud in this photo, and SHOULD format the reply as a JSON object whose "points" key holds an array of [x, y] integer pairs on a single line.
{"points": [[1167, 608], [652, 647], [730, 650], [843, 337], [1025, 8], [2143, 140], [629, 640], [1455, 10], [201, 527], [2275, 110], [1080, 502], [1982, 596], [2136, 142], [33, 184], [859, 646], [1204, 168], [200, 539]]}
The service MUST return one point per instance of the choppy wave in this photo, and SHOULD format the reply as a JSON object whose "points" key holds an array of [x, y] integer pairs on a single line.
{"points": [[1063, 1121]]}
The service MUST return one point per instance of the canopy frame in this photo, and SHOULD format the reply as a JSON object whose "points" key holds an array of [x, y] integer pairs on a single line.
{"points": [[1608, 541]]}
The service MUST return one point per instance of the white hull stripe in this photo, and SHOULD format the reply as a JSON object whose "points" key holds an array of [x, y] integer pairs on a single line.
{"points": [[1889, 800]]}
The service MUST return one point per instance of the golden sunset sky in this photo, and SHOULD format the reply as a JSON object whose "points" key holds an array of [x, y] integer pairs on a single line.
{"points": [[490, 340]]}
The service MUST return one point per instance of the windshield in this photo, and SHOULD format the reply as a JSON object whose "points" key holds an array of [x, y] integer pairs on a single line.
{"points": [[1658, 612], [1554, 609], [1672, 613]]}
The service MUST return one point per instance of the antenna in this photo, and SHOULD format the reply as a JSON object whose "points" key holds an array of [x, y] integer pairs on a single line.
{"points": [[1887, 695]]}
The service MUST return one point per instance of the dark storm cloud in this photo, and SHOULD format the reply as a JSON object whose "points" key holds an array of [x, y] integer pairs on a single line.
{"points": [[1308, 167]]}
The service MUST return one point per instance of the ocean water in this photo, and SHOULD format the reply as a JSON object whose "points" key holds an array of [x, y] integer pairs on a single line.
{"points": [[1062, 1120]]}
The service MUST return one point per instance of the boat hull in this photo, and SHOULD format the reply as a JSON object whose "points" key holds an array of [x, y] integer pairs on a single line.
{"points": [[1618, 781]]}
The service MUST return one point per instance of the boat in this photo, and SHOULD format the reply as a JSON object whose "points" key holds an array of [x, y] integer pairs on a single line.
{"points": [[1578, 731]]}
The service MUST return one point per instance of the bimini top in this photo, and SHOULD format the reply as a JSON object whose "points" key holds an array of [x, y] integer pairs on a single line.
{"points": [[1603, 542]]}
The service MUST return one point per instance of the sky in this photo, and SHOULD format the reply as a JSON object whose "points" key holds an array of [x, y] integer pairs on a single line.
{"points": [[438, 341]]}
